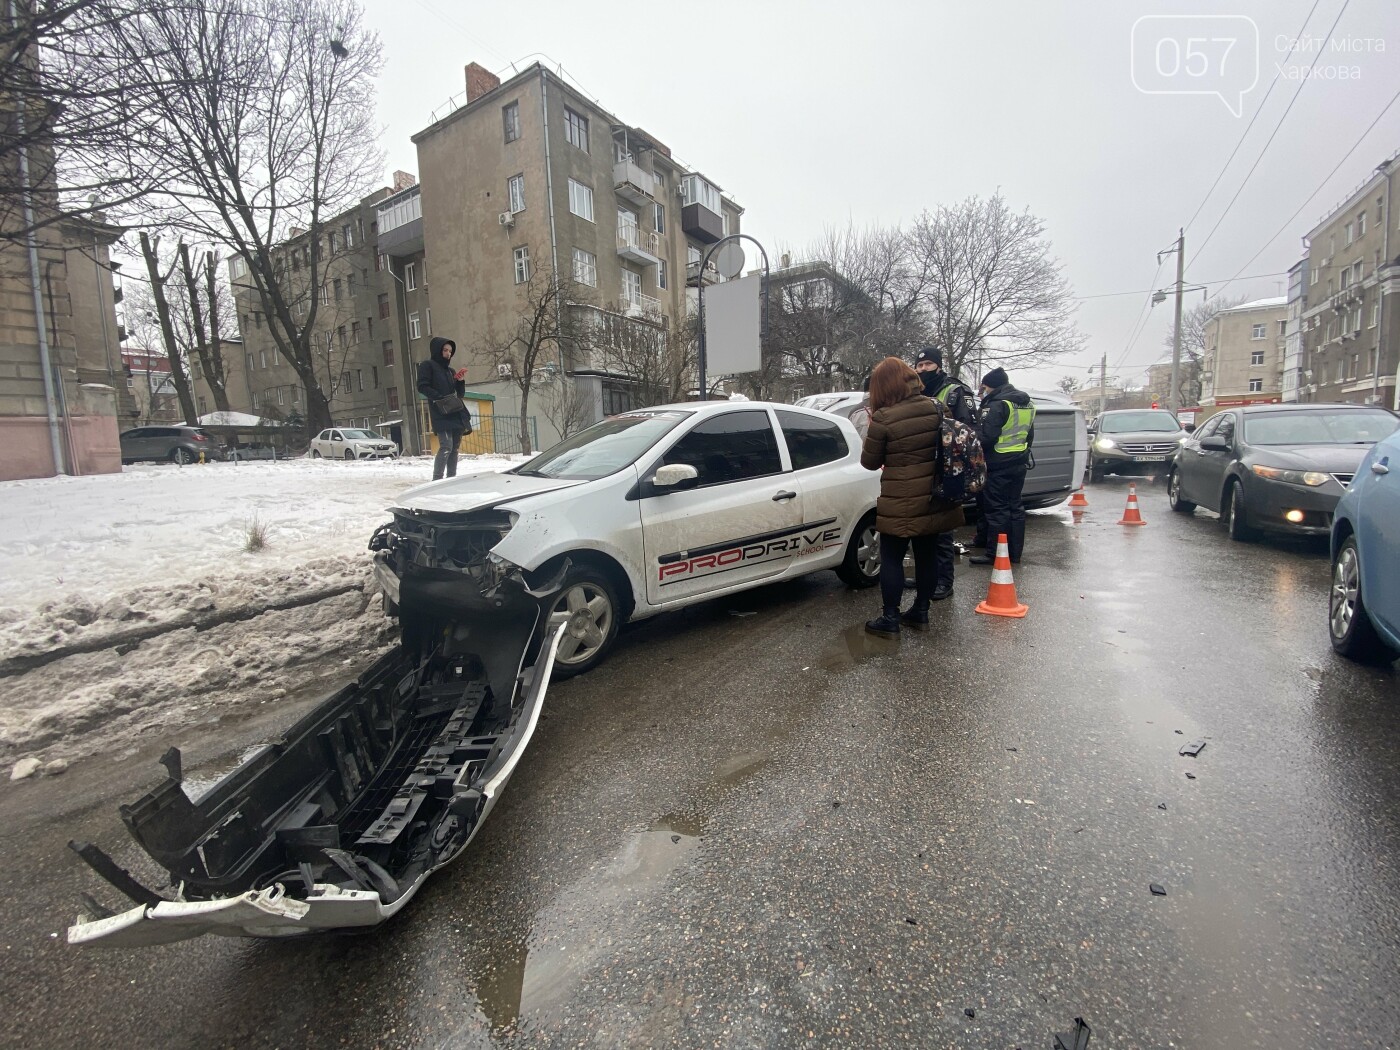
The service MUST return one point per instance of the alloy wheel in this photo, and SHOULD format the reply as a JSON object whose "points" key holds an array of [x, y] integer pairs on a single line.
{"points": [[868, 552], [590, 615], [1346, 586]]}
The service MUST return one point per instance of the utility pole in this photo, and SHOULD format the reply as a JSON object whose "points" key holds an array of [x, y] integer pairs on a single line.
{"points": [[1173, 397], [1103, 383]]}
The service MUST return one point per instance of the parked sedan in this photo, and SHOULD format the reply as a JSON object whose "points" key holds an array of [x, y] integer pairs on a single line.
{"points": [[1364, 612], [643, 513], [178, 444], [1133, 441], [344, 443], [1275, 468]]}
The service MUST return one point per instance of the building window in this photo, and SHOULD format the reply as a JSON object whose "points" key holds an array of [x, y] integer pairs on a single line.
{"points": [[374, 373], [330, 241], [238, 267], [347, 234], [296, 261], [262, 358], [1361, 224], [415, 327], [203, 405], [515, 192], [631, 286], [336, 285], [661, 273], [350, 284], [383, 305], [381, 262], [585, 268], [1256, 385], [360, 378], [392, 397], [660, 217], [250, 361], [370, 322], [510, 118], [340, 335], [1375, 313], [1350, 233], [354, 331], [410, 276], [345, 381], [281, 395], [522, 265], [576, 129], [388, 353], [1256, 357], [1258, 331], [581, 200]]}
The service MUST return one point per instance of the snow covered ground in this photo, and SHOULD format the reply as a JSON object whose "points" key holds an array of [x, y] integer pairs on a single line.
{"points": [[130, 600]]}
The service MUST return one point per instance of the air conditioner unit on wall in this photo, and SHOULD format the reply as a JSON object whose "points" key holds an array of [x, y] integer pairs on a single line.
{"points": [[504, 370], [506, 218]]}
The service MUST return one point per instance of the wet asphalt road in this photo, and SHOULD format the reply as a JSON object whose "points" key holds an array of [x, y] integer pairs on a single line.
{"points": [[775, 830]]}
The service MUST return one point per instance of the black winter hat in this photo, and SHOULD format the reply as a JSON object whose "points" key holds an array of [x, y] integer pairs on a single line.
{"points": [[930, 353], [995, 379]]}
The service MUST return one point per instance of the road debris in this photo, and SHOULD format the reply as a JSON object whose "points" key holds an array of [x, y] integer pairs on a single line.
{"points": [[1161, 805], [1190, 776], [1158, 890], [1076, 1040], [1192, 749], [25, 768], [970, 1012]]}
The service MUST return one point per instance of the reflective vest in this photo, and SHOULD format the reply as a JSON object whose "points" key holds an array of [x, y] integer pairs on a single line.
{"points": [[1016, 431]]}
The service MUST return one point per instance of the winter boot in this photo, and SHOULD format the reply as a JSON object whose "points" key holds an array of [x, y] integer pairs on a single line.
{"points": [[885, 625], [916, 619]]}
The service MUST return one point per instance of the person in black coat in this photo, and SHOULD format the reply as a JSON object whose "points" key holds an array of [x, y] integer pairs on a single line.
{"points": [[942, 387], [1008, 432], [437, 380]]}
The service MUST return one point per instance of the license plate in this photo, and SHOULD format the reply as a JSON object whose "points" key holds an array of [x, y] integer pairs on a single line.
{"points": [[1149, 459]]}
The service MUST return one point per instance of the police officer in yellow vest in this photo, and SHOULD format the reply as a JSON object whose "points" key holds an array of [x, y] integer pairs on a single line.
{"points": [[1008, 431]]}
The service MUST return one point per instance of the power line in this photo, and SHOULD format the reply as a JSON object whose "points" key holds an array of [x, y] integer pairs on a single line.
{"points": [[1237, 277], [1394, 98], [1301, 84], [1245, 134]]}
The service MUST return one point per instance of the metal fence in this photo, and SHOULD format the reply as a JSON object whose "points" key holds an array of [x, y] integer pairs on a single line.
{"points": [[499, 434]]}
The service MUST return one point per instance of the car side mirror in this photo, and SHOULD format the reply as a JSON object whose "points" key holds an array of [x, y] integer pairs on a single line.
{"points": [[675, 477], [1215, 444]]}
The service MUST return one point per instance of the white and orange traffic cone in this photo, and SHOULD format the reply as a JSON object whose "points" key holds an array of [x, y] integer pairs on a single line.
{"points": [[1001, 592], [1078, 500], [1131, 515]]}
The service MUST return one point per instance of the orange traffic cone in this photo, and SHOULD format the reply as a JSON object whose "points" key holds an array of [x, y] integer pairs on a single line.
{"points": [[1078, 500], [1001, 593], [1131, 516]]}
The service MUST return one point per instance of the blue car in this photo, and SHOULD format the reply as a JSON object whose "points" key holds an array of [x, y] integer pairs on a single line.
{"points": [[1364, 612]]}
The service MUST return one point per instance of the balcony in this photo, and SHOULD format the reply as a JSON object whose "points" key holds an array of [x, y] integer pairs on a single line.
{"points": [[701, 223], [640, 306], [694, 278], [399, 220], [638, 245], [633, 183]]}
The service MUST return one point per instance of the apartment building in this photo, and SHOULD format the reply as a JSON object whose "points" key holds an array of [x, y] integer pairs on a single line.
{"points": [[359, 336], [1243, 359], [528, 178], [1294, 357], [1351, 335]]}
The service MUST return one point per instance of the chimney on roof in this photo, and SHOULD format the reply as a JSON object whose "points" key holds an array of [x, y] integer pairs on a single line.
{"points": [[480, 82], [403, 180]]}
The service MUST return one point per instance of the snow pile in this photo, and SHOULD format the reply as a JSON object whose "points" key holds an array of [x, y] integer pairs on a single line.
{"points": [[128, 602]]}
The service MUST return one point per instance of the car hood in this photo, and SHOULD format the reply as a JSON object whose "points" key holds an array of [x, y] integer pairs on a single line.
{"points": [[1329, 459], [476, 491], [1145, 437]]}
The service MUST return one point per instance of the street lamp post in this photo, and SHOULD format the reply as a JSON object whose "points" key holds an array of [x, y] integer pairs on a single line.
{"points": [[705, 261], [1173, 395]]}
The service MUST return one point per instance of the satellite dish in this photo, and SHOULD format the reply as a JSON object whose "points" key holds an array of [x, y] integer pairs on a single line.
{"points": [[729, 260]]}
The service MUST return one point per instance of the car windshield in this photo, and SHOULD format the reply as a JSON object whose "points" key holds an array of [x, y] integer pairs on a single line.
{"points": [[1139, 423], [603, 448], [360, 435], [1357, 427]]}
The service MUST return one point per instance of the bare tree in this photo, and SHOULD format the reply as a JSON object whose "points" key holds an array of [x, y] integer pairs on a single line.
{"points": [[203, 307], [660, 365], [565, 403], [1067, 385], [150, 248], [991, 282], [265, 125]]}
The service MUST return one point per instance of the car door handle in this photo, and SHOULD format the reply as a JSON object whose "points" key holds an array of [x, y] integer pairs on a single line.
{"points": [[1380, 468], [784, 495]]}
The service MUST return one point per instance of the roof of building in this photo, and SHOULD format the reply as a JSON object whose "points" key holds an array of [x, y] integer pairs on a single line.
{"points": [[1271, 302]]}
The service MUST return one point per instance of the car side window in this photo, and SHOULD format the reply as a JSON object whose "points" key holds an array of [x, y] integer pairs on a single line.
{"points": [[812, 442], [139, 432], [730, 447], [324, 435], [165, 432], [335, 435], [1227, 429], [1206, 429]]}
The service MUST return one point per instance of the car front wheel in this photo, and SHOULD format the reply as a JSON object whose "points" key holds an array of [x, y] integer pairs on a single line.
{"points": [[1095, 473], [1181, 506], [349, 454], [1348, 623], [1236, 515], [589, 606], [861, 566]]}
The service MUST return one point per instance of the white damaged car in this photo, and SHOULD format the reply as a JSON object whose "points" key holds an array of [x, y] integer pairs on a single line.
{"points": [[642, 513]]}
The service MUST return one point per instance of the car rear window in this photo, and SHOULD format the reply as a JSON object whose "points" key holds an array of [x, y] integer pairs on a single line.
{"points": [[812, 442], [1356, 427], [1139, 422]]}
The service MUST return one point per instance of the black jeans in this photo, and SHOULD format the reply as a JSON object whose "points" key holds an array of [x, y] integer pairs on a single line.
{"points": [[945, 557], [892, 550], [445, 462], [1002, 509]]}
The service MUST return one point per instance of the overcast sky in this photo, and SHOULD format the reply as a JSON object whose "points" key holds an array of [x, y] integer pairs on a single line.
{"points": [[818, 113]]}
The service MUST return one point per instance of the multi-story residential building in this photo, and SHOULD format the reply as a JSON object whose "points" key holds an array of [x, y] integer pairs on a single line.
{"points": [[151, 388], [360, 346], [1294, 358], [530, 178], [1351, 334], [1243, 360]]}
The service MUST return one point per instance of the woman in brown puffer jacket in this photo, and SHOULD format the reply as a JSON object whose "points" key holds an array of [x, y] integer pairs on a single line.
{"points": [[905, 429]]}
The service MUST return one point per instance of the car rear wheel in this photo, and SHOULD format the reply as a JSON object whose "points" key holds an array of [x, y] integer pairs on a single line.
{"points": [[1348, 623], [1236, 515], [315, 453], [861, 566], [1181, 506], [590, 606], [181, 456]]}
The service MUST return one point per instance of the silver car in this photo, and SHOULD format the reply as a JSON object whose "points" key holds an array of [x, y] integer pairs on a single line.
{"points": [[347, 443]]}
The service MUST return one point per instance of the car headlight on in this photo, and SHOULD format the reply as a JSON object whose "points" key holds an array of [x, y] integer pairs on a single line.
{"points": [[1104, 444], [1310, 478]]}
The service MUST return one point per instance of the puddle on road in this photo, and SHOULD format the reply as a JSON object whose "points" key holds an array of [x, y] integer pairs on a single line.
{"points": [[853, 647], [532, 976], [740, 768]]}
